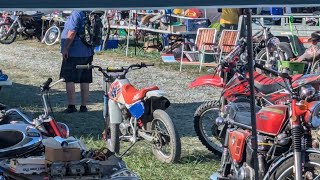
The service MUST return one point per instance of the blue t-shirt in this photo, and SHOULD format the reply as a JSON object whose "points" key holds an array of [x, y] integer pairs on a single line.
{"points": [[74, 23]]}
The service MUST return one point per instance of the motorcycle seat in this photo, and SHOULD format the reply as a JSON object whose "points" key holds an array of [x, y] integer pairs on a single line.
{"points": [[131, 94], [267, 85]]}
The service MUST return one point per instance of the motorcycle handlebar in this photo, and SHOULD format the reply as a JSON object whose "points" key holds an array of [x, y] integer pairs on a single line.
{"points": [[47, 83], [85, 66], [276, 73]]}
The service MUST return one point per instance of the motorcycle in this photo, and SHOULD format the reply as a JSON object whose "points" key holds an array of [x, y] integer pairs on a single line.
{"points": [[25, 25], [22, 137], [132, 115], [284, 138], [232, 78], [268, 49]]}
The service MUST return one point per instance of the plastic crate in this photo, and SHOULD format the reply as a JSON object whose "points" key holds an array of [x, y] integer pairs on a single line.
{"points": [[195, 24], [294, 67]]}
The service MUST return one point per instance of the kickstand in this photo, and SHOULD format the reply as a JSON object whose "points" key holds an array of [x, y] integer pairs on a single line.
{"points": [[125, 152]]}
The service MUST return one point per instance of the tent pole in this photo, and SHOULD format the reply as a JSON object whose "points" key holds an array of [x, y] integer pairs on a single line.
{"points": [[252, 98], [128, 34]]}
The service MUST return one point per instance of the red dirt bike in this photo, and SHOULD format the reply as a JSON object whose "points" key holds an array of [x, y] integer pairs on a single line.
{"points": [[133, 115], [232, 78], [284, 138]]}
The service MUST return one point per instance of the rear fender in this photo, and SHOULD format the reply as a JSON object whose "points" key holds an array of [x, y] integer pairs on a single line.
{"points": [[155, 93], [282, 159], [207, 80]]}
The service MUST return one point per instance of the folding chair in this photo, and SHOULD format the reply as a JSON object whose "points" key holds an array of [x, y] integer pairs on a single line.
{"points": [[204, 36], [228, 40]]}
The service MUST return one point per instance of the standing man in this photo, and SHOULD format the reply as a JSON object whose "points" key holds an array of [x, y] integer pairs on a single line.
{"points": [[75, 52], [229, 18]]}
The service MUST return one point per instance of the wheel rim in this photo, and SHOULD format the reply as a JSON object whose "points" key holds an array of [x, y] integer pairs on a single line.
{"points": [[310, 166], [316, 68], [208, 127], [263, 60], [161, 133], [52, 35], [5, 34]]}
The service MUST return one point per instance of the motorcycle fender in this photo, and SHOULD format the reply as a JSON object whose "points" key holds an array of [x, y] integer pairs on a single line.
{"points": [[282, 159], [208, 80], [155, 93], [114, 112]]}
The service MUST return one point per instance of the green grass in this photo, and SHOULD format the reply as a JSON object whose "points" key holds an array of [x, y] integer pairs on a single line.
{"points": [[196, 162]]}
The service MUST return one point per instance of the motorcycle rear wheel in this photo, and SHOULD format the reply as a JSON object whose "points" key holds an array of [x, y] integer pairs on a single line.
{"points": [[167, 135], [206, 132], [5, 36], [285, 171]]}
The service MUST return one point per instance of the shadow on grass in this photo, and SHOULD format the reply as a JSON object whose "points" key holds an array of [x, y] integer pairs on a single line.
{"points": [[27, 98], [199, 157]]}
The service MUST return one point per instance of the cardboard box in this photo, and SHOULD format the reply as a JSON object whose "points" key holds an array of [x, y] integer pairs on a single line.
{"points": [[181, 28], [31, 165], [62, 154]]}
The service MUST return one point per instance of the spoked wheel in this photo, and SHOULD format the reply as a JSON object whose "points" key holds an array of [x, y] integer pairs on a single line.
{"points": [[311, 170], [52, 35], [7, 36], [315, 68], [284, 54], [206, 128], [167, 147]]}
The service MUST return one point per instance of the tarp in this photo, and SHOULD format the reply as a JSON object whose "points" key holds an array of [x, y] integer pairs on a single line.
{"points": [[143, 4]]}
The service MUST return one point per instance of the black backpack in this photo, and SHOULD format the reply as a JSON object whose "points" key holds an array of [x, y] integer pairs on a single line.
{"points": [[91, 34]]}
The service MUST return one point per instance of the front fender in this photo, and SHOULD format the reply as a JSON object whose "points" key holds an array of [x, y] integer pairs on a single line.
{"points": [[208, 80], [281, 160]]}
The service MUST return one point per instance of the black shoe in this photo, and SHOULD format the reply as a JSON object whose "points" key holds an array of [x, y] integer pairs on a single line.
{"points": [[83, 109], [71, 109]]}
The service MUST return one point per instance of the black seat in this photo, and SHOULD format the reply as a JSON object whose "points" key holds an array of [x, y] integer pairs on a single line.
{"points": [[268, 85]]}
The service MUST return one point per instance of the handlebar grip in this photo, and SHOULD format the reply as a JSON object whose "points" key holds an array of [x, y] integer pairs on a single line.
{"points": [[47, 83], [84, 66]]}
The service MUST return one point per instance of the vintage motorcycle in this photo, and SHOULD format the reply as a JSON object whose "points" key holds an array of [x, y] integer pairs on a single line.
{"points": [[232, 78], [268, 49], [19, 137], [132, 114], [284, 138], [25, 25]]}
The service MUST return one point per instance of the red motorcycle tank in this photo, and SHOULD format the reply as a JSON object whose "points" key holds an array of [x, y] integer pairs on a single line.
{"points": [[270, 119], [236, 144]]}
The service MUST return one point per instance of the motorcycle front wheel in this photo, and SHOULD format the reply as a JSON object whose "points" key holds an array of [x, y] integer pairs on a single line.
{"points": [[311, 168], [7, 36], [112, 131], [167, 147], [206, 128]]}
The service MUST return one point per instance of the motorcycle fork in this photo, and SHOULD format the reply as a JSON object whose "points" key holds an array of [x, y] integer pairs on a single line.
{"points": [[296, 138], [225, 159]]}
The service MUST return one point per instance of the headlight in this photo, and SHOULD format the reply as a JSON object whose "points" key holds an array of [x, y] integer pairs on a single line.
{"points": [[313, 114], [315, 117], [307, 91]]}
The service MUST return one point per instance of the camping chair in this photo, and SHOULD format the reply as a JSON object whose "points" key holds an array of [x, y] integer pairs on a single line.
{"points": [[228, 40], [204, 36]]}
